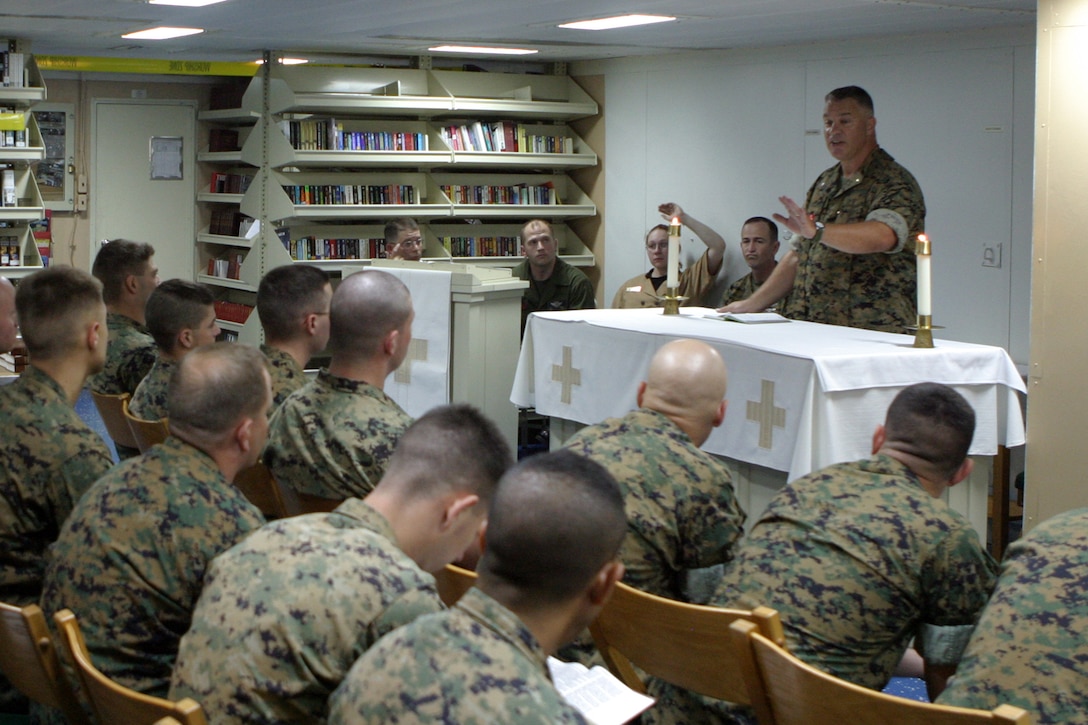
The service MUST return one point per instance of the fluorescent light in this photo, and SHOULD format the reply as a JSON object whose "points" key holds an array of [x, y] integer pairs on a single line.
{"points": [[185, 3], [162, 33], [617, 21], [285, 61], [481, 49]]}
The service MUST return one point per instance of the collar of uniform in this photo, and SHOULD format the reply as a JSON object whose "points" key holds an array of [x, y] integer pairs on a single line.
{"points": [[367, 517], [279, 358], [117, 320], [494, 616], [649, 418], [347, 385], [41, 383]]}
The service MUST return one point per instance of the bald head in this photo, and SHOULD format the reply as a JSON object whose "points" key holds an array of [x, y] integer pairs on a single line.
{"points": [[365, 308], [686, 382], [9, 329]]}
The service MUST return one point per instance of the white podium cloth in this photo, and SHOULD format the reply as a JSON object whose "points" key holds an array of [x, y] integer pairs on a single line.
{"points": [[423, 379], [801, 395]]}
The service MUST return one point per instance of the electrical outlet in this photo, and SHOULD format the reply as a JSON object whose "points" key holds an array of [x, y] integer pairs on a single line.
{"points": [[991, 254], [81, 184], [81, 202]]}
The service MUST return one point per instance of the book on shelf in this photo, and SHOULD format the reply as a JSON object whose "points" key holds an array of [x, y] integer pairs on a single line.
{"points": [[230, 183], [223, 139], [350, 194], [227, 221], [328, 134], [537, 194], [228, 266], [12, 65], [469, 246], [311, 248], [9, 251]]}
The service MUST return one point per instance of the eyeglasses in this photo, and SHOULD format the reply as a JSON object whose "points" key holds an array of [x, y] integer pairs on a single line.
{"points": [[410, 243], [657, 247]]}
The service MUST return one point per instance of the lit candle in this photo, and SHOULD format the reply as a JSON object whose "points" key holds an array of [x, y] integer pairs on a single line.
{"points": [[672, 278], [925, 280]]}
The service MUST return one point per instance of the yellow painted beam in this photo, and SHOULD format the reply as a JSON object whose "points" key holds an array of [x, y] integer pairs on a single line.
{"points": [[149, 66]]}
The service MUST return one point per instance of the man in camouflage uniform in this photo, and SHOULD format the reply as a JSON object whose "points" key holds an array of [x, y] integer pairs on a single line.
{"points": [[852, 261], [128, 275], [549, 565], [181, 318], [643, 290], [860, 557], [334, 437], [553, 284], [50, 456], [1027, 649], [759, 245], [285, 613], [130, 560], [293, 304], [9, 321], [681, 511]]}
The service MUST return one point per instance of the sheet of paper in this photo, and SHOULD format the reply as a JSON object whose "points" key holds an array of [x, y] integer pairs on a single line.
{"points": [[749, 317], [597, 693]]}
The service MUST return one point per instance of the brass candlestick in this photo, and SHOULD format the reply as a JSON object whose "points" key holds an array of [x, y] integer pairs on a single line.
{"points": [[923, 337], [673, 300]]}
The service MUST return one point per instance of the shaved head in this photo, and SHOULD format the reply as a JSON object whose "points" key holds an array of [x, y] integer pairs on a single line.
{"points": [[686, 377], [365, 308]]}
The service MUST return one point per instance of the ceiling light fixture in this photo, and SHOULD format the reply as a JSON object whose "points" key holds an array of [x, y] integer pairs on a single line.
{"points": [[481, 49], [286, 61], [185, 3], [617, 21], [162, 33]]}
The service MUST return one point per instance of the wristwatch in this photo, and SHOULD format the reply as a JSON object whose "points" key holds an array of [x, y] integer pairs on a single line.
{"points": [[819, 232]]}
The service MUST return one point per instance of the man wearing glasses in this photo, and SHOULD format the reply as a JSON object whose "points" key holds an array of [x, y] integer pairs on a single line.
{"points": [[403, 240]]}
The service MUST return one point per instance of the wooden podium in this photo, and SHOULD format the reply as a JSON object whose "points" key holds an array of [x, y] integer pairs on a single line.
{"points": [[485, 337]]}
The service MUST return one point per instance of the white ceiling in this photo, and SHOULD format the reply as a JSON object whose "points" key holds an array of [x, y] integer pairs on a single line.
{"points": [[238, 30]]}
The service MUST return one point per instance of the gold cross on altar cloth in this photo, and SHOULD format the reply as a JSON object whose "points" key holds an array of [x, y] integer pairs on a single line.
{"points": [[567, 374], [767, 415], [417, 350]]}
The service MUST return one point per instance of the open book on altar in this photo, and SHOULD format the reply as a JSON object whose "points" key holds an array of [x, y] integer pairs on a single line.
{"points": [[748, 317], [597, 693]]}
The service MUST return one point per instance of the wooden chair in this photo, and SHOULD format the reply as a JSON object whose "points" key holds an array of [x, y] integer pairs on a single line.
{"points": [[112, 410], [114, 703], [310, 504], [146, 432], [262, 489], [786, 691], [453, 582], [28, 659], [687, 645]]}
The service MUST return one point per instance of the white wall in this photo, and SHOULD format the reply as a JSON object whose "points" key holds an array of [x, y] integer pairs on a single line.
{"points": [[725, 133]]}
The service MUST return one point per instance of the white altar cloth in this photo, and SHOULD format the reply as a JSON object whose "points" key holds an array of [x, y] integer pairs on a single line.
{"points": [[801, 395]]}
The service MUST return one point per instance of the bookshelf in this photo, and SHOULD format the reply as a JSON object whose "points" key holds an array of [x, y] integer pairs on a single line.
{"points": [[335, 152], [21, 146]]}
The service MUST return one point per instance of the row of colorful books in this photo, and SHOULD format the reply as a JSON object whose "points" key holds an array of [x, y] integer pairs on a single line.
{"points": [[345, 194], [311, 247], [482, 246], [327, 134], [503, 136], [516, 194]]}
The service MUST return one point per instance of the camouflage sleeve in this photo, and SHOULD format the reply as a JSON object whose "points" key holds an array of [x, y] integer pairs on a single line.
{"points": [[958, 581], [77, 474], [711, 521], [134, 367], [413, 604], [898, 202]]}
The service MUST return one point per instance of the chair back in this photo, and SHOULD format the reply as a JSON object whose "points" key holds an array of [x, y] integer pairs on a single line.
{"points": [[146, 432], [687, 645], [310, 504], [28, 659], [266, 493], [786, 691], [453, 582], [112, 702], [112, 410]]}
